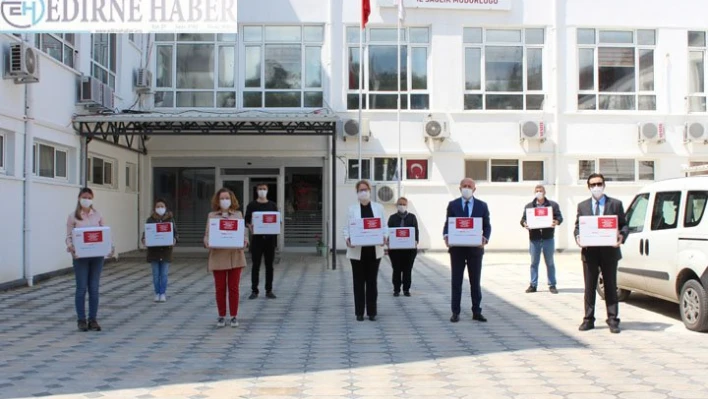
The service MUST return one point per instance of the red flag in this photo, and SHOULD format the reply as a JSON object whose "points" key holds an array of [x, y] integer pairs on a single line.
{"points": [[365, 12]]}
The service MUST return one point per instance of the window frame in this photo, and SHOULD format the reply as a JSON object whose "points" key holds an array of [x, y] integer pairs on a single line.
{"points": [[36, 161], [111, 73], [704, 94], [66, 44], [406, 91], [525, 92], [520, 170], [657, 198], [696, 223], [363, 160], [596, 169], [90, 164], [637, 48]]}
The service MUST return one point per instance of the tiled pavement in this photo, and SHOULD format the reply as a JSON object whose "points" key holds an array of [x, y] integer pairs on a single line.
{"points": [[307, 343]]}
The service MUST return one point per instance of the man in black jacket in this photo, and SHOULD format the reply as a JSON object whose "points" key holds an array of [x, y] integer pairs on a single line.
{"points": [[542, 240], [262, 246], [402, 259], [605, 259]]}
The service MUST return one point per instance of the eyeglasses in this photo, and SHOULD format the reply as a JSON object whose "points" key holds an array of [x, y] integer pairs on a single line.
{"points": [[596, 184]]}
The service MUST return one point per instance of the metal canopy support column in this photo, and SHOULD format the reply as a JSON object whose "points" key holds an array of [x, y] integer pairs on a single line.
{"points": [[333, 182]]}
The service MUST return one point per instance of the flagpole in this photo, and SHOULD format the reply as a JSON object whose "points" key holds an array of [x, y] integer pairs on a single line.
{"points": [[398, 96], [361, 81]]}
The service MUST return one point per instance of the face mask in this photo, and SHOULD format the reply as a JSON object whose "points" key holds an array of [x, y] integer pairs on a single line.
{"points": [[539, 195], [597, 192], [467, 193], [160, 211], [402, 208], [85, 202], [262, 193], [363, 195], [225, 203]]}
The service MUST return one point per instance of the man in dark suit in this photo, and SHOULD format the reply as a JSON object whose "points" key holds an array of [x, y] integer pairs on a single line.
{"points": [[470, 257], [605, 259]]}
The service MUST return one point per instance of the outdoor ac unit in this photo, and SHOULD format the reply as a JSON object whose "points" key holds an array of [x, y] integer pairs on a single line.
{"points": [[435, 128], [652, 132], [94, 94], [143, 80], [696, 132], [108, 98], [350, 130], [532, 130], [386, 194], [22, 64]]}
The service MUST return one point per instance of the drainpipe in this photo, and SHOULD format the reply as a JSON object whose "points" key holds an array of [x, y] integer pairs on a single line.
{"points": [[27, 184], [560, 93]]}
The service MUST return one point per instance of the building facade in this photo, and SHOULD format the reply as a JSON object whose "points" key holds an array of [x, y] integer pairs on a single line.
{"points": [[511, 93]]}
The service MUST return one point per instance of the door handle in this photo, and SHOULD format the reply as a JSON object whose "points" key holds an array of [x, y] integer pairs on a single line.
{"points": [[641, 246], [646, 247]]}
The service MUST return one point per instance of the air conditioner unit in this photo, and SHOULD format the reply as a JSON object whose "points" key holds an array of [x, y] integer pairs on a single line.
{"points": [[143, 80], [532, 130], [90, 91], [350, 129], [696, 132], [22, 64], [108, 98], [652, 132], [435, 128], [386, 193]]}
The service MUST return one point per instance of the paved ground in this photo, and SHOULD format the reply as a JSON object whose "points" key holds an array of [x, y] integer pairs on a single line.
{"points": [[307, 343]]}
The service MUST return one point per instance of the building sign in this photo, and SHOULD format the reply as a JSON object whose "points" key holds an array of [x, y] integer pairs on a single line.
{"points": [[469, 5]]}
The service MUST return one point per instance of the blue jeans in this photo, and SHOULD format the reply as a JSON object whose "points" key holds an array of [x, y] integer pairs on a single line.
{"points": [[88, 277], [159, 276], [535, 249]]}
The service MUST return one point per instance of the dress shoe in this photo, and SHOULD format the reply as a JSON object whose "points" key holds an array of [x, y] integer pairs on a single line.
{"points": [[615, 328], [253, 295], [406, 293], [360, 318], [455, 317], [587, 325], [396, 293], [270, 295], [530, 289], [553, 289], [479, 317], [372, 318]]}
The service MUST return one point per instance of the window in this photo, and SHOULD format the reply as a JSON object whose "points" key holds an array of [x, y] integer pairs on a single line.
{"points": [[697, 72], [100, 171], [416, 169], [60, 46], [695, 208], [353, 169], [503, 69], [666, 207], [196, 70], [2, 152], [385, 169], [616, 70], [131, 177], [637, 212], [382, 79], [50, 161], [103, 58], [283, 67], [698, 163], [505, 170], [617, 169]]}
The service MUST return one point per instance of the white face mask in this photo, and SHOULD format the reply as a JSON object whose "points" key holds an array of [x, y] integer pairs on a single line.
{"points": [[539, 195], [363, 195], [85, 202], [225, 204], [402, 208], [597, 192], [160, 211], [466, 193], [262, 193]]}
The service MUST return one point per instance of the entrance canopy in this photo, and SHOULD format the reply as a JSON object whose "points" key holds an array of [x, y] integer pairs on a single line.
{"points": [[131, 129]]}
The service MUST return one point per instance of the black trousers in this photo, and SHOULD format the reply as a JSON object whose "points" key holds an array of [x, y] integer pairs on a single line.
{"points": [[364, 273], [461, 257], [402, 264], [594, 261], [262, 247]]}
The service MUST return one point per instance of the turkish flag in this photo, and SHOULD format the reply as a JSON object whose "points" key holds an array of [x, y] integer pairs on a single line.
{"points": [[365, 12], [416, 169]]}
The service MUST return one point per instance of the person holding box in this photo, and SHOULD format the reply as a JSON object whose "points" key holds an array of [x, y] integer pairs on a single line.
{"points": [[87, 270], [540, 218], [161, 227], [601, 258], [402, 259], [467, 213], [262, 245], [365, 236], [225, 262]]}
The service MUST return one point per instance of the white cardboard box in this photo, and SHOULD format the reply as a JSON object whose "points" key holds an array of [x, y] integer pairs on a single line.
{"points": [[159, 235], [91, 242], [267, 223], [598, 231], [366, 232], [464, 232], [401, 238], [226, 233], [539, 218]]}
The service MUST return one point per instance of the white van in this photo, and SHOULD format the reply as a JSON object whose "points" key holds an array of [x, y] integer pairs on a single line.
{"points": [[666, 253]]}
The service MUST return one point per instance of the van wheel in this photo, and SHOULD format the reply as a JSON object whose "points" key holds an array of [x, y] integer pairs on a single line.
{"points": [[622, 294], [694, 306]]}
